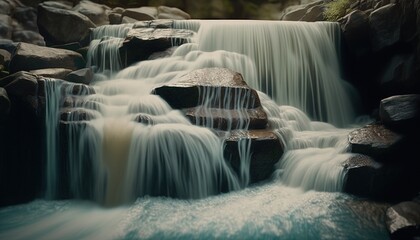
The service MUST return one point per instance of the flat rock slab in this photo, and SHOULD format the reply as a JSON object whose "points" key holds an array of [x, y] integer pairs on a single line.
{"points": [[141, 42], [265, 148], [227, 119], [210, 87], [31, 57], [374, 140], [400, 112]]}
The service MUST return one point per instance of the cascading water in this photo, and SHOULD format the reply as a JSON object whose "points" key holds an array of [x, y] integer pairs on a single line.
{"points": [[126, 159], [123, 145]]}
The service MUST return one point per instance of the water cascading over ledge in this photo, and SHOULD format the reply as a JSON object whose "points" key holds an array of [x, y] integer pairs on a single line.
{"points": [[126, 143]]}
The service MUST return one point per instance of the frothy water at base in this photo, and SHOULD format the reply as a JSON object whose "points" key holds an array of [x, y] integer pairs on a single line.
{"points": [[270, 211]]}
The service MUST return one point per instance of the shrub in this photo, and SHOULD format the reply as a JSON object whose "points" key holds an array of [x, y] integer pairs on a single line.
{"points": [[336, 9]]}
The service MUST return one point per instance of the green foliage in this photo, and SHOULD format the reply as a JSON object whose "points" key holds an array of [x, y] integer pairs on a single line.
{"points": [[336, 9]]}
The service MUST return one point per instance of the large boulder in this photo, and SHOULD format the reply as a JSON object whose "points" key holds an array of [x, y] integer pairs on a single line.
{"points": [[28, 36], [265, 151], [165, 12], [212, 87], [60, 26], [30, 57], [140, 43], [141, 13], [84, 76], [97, 13], [401, 112], [403, 220], [6, 27], [26, 17], [385, 26]]}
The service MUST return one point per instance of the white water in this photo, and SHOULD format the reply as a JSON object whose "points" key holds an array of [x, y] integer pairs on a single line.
{"points": [[136, 145]]}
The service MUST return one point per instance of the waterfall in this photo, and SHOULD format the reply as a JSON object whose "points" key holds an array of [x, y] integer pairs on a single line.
{"points": [[122, 142]]}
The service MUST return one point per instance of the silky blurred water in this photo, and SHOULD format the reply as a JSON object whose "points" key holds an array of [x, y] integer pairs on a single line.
{"points": [[269, 211]]}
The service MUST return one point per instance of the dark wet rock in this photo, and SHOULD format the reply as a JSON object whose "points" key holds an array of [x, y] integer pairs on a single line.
{"points": [[385, 26], [115, 18], [74, 46], [390, 181], [97, 13], [214, 87], [60, 26], [31, 57], [265, 148], [58, 73], [355, 28], [20, 84], [227, 119], [375, 140], [26, 16], [84, 75], [77, 114], [401, 112], [140, 43], [403, 220], [4, 104]]}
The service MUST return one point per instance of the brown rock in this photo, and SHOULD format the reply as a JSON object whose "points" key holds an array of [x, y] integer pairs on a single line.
{"points": [[403, 220], [58, 73], [265, 148], [375, 140]]}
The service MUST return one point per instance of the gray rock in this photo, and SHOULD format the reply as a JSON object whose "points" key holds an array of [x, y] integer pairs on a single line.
{"points": [[6, 27], [59, 4], [20, 84], [5, 8], [115, 18], [28, 36], [59, 73], [295, 15], [165, 12], [315, 13], [400, 112], [60, 26], [27, 17], [141, 13], [30, 57], [403, 220], [385, 26], [84, 75], [97, 13]]}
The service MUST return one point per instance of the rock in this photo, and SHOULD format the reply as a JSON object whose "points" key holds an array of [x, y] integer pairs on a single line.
{"points": [[60, 26], [26, 16], [5, 26], [5, 56], [172, 13], [399, 75], [403, 220], [58, 73], [141, 13], [30, 57], [313, 14], [360, 171], [28, 36], [115, 18], [140, 43], [355, 28], [375, 140], [295, 15], [400, 112], [97, 13], [76, 114], [20, 84], [227, 119], [4, 104], [209, 86], [84, 76], [5, 8], [265, 148], [126, 19], [385, 26], [58, 4]]}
